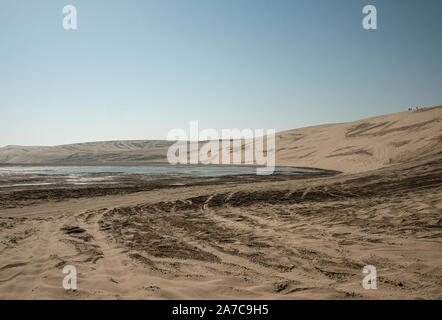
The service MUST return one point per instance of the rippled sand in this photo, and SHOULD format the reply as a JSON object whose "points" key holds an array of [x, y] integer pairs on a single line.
{"points": [[303, 238]]}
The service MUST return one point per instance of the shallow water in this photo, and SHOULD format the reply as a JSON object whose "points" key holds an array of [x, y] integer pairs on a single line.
{"points": [[180, 170]]}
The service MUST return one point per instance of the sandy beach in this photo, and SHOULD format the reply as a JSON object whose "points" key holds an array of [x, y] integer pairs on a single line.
{"points": [[235, 237]]}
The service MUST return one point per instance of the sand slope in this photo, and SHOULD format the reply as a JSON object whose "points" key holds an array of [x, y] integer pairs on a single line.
{"points": [[365, 144], [348, 147]]}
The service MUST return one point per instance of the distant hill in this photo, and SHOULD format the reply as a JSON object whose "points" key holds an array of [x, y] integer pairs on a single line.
{"points": [[349, 147], [93, 153]]}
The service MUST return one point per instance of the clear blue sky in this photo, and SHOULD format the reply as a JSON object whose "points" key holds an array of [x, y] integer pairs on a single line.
{"points": [[136, 69]]}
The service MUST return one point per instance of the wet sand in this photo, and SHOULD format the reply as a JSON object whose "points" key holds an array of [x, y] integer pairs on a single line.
{"points": [[283, 237]]}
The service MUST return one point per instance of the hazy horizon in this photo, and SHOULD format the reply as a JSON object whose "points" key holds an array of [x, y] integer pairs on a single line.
{"points": [[135, 70]]}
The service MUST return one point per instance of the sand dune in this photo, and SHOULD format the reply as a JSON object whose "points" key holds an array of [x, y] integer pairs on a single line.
{"points": [[94, 153], [365, 144], [348, 147], [288, 237]]}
